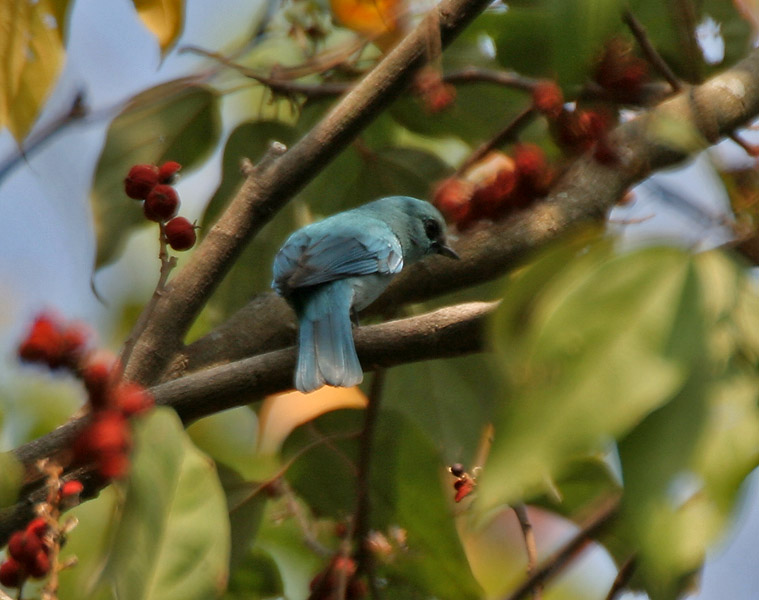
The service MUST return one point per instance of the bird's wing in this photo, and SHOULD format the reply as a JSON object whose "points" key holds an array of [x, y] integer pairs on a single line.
{"points": [[313, 257]]}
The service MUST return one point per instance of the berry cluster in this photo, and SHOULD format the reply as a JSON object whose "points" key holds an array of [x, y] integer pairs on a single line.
{"points": [[464, 484], [106, 441], [161, 201], [33, 551], [338, 580], [28, 554], [495, 186]]}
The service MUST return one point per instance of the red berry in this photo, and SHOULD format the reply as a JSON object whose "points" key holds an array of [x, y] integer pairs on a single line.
{"points": [[37, 527], [530, 160], [168, 170], [161, 204], [39, 566], [180, 234], [107, 433], [132, 399], [23, 546], [12, 574], [140, 181], [547, 98], [452, 197], [74, 343], [43, 343], [113, 465]]}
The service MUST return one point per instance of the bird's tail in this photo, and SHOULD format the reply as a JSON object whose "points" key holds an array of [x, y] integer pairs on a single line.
{"points": [[326, 353]]}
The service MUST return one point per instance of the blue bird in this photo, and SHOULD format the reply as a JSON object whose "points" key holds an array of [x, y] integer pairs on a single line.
{"points": [[332, 269]]}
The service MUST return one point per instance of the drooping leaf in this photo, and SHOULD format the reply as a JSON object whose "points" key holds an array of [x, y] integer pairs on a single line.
{"points": [[173, 121], [172, 540], [684, 464], [164, 19], [407, 492], [32, 43]]}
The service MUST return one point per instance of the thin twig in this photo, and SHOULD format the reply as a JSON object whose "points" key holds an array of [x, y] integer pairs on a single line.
{"points": [[650, 52], [508, 134], [364, 557], [623, 577], [556, 563], [528, 533], [167, 264]]}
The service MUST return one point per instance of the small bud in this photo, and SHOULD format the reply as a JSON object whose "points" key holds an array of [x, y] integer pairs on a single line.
{"points": [[161, 204], [180, 234], [43, 343], [140, 181], [457, 469], [168, 171], [71, 488]]}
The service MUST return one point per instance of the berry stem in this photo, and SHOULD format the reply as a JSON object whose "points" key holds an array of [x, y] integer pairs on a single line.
{"points": [[507, 134], [651, 54], [167, 264]]}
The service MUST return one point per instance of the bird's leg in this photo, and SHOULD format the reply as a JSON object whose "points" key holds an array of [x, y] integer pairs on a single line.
{"points": [[354, 316]]}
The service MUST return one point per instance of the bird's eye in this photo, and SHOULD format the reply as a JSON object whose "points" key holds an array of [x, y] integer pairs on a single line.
{"points": [[431, 229]]}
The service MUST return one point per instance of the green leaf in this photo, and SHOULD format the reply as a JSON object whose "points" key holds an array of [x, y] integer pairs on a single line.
{"points": [[229, 437], [173, 121], [573, 354], [452, 400], [164, 19], [683, 465], [173, 538], [31, 59], [411, 490], [556, 38]]}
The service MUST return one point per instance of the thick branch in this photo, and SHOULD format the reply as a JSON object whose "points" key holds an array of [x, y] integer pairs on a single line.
{"points": [[266, 191], [585, 193], [447, 332]]}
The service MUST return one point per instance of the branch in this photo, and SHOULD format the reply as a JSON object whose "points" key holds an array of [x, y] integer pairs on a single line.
{"points": [[268, 190], [446, 332], [570, 551], [584, 194]]}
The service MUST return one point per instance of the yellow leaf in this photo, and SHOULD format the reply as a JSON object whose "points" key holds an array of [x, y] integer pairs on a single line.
{"points": [[371, 18], [31, 56], [282, 413], [164, 19]]}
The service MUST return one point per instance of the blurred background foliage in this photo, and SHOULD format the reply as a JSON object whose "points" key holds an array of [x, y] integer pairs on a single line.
{"points": [[616, 373]]}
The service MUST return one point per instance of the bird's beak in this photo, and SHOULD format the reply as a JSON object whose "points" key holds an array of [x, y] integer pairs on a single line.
{"points": [[442, 248]]}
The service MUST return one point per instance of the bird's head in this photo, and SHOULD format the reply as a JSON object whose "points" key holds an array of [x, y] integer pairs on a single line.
{"points": [[419, 226]]}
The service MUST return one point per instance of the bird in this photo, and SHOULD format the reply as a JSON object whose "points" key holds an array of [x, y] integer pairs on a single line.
{"points": [[333, 268]]}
